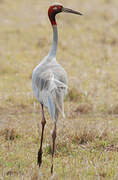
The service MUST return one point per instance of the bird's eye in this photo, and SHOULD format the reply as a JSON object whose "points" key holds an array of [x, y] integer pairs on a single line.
{"points": [[55, 8]]}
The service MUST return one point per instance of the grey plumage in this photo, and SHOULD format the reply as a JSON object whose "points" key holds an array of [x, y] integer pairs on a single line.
{"points": [[49, 84]]}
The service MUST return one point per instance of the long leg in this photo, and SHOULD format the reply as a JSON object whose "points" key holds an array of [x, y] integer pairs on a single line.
{"points": [[43, 122], [53, 145]]}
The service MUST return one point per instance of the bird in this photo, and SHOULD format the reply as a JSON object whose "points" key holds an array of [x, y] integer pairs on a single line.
{"points": [[50, 83]]}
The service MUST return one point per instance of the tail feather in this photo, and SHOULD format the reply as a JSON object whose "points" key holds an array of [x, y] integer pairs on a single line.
{"points": [[52, 95], [51, 107], [56, 100], [59, 101]]}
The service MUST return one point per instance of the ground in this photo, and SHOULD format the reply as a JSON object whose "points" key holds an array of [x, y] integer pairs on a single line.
{"points": [[87, 139]]}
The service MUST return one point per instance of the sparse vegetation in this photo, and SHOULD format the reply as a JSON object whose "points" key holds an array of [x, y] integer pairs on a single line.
{"points": [[87, 140]]}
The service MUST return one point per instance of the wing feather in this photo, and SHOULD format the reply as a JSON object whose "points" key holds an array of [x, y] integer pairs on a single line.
{"points": [[50, 88]]}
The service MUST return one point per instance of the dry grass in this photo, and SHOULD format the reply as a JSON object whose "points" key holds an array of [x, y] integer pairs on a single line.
{"points": [[87, 140]]}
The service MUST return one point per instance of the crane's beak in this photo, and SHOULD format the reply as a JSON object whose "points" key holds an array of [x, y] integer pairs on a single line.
{"points": [[67, 10]]}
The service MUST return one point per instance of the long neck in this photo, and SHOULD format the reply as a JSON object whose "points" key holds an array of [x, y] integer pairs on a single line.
{"points": [[52, 52]]}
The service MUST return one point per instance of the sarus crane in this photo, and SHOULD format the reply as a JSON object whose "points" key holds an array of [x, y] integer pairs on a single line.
{"points": [[49, 81]]}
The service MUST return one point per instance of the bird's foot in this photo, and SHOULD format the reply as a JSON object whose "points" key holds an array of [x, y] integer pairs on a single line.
{"points": [[52, 169], [39, 159]]}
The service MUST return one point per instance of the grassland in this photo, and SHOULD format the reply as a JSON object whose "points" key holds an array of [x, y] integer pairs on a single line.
{"points": [[87, 140]]}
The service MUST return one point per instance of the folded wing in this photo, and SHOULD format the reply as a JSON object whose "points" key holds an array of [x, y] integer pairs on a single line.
{"points": [[51, 89]]}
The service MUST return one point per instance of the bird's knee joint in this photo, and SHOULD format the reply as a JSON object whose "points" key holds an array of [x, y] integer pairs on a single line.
{"points": [[43, 122], [54, 135]]}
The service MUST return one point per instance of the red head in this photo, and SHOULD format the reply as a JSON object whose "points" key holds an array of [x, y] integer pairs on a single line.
{"points": [[57, 8], [52, 11]]}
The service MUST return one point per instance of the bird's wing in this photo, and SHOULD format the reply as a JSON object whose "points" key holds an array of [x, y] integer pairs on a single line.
{"points": [[52, 91]]}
